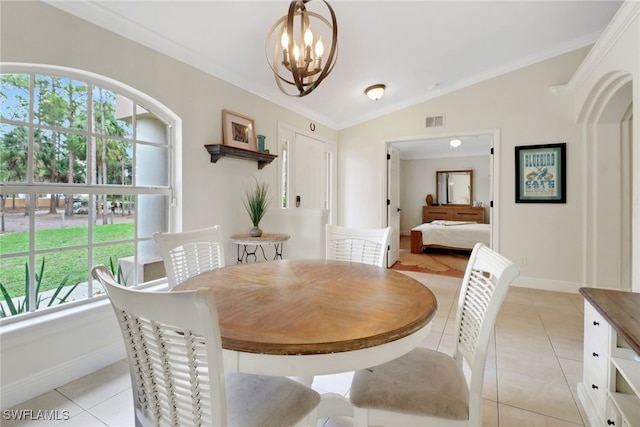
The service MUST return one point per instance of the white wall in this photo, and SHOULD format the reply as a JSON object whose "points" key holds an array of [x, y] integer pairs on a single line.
{"points": [[45, 353], [418, 178], [603, 86], [526, 112], [212, 193], [550, 237], [33, 32], [306, 228]]}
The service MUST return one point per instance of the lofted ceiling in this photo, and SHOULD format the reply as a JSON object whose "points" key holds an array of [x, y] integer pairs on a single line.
{"points": [[419, 49]]}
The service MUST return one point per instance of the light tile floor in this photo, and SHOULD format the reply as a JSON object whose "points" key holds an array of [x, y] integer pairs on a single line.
{"points": [[534, 364]]}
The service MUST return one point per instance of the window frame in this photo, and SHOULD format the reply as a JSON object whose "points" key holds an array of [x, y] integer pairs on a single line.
{"points": [[172, 191]]}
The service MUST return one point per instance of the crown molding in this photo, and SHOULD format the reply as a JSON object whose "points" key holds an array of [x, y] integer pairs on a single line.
{"points": [[628, 13]]}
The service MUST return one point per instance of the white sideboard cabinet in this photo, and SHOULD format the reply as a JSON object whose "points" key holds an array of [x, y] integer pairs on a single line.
{"points": [[610, 387]]}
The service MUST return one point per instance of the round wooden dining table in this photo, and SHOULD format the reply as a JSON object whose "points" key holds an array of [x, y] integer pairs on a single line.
{"points": [[315, 317]]}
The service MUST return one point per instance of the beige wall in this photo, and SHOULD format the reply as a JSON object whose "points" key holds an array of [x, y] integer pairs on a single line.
{"points": [[33, 32], [525, 112], [519, 106], [212, 193], [594, 237]]}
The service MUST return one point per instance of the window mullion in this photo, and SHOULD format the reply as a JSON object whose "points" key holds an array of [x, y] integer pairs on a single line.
{"points": [[31, 143], [33, 200], [90, 140], [92, 219]]}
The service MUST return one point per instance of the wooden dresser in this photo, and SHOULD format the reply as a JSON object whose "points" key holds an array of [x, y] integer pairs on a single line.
{"points": [[453, 213]]}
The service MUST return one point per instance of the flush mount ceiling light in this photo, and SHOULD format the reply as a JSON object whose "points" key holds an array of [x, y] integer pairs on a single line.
{"points": [[375, 92], [455, 143], [298, 42]]}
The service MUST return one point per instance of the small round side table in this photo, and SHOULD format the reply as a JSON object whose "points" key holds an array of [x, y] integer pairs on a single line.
{"points": [[246, 241]]}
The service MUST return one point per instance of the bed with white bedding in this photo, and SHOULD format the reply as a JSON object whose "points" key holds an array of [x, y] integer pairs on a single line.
{"points": [[449, 234]]}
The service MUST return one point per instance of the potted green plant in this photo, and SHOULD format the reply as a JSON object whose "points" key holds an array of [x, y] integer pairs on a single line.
{"points": [[256, 201]]}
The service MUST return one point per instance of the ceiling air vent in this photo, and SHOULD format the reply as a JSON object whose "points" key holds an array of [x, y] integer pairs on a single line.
{"points": [[435, 121]]}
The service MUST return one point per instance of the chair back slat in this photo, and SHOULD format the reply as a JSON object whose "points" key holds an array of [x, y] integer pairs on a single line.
{"points": [[187, 254], [479, 293], [366, 246], [192, 259]]}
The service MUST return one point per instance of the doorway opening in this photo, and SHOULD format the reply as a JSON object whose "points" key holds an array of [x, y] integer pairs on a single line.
{"points": [[412, 163]]}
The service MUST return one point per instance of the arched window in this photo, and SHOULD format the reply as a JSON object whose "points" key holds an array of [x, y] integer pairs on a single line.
{"points": [[85, 179]]}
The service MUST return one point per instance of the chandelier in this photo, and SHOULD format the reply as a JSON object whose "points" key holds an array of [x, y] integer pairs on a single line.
{"points": [[298, 41]]}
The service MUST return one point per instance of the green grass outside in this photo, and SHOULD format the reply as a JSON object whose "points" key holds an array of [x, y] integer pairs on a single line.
{"points": [[60, 263]]}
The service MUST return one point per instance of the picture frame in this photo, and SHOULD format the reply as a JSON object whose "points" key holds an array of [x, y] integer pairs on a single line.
{"points": [[541, 173], [238, 131]]}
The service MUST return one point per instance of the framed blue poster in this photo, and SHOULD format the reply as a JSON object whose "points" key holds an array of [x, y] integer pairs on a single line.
{"points": [[541, 175]]}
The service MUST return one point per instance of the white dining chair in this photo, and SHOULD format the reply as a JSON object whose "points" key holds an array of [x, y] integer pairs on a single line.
{"points": [[363, 245], [429, 388], [189, 253], [177, 375]]}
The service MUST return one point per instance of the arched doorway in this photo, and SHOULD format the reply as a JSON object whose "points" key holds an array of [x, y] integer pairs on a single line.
{"points": [[607, 122]]}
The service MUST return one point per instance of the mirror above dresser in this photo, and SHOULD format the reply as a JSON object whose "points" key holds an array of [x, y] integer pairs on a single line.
{"points": [[454, 187]]}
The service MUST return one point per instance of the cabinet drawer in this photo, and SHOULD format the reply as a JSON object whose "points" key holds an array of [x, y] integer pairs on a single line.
{"points": [[464, 215], [612, 415], [596, 354], [595, 383], [595, 327], [429, 215]]}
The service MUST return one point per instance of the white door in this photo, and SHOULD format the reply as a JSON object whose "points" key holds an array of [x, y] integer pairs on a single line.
{"points": [[393, 203], [309, 185]]}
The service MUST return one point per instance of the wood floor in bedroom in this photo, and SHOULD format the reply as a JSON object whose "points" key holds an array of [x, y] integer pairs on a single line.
{"points": [[435, 261]]}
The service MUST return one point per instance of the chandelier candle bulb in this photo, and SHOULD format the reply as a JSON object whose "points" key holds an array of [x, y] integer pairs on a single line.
{"points": [[296, 53], [319, 47], [308, 39]]}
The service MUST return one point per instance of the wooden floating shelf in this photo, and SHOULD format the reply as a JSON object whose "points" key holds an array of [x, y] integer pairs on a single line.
{"points": [[219, 151]]}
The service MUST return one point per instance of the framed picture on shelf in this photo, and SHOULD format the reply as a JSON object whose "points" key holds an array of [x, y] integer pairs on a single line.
{"points": [[541, 175], [238, 131]]}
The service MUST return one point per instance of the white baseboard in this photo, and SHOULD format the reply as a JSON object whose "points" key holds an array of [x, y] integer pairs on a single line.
{"points": [[44, 381], [547, 284]]}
